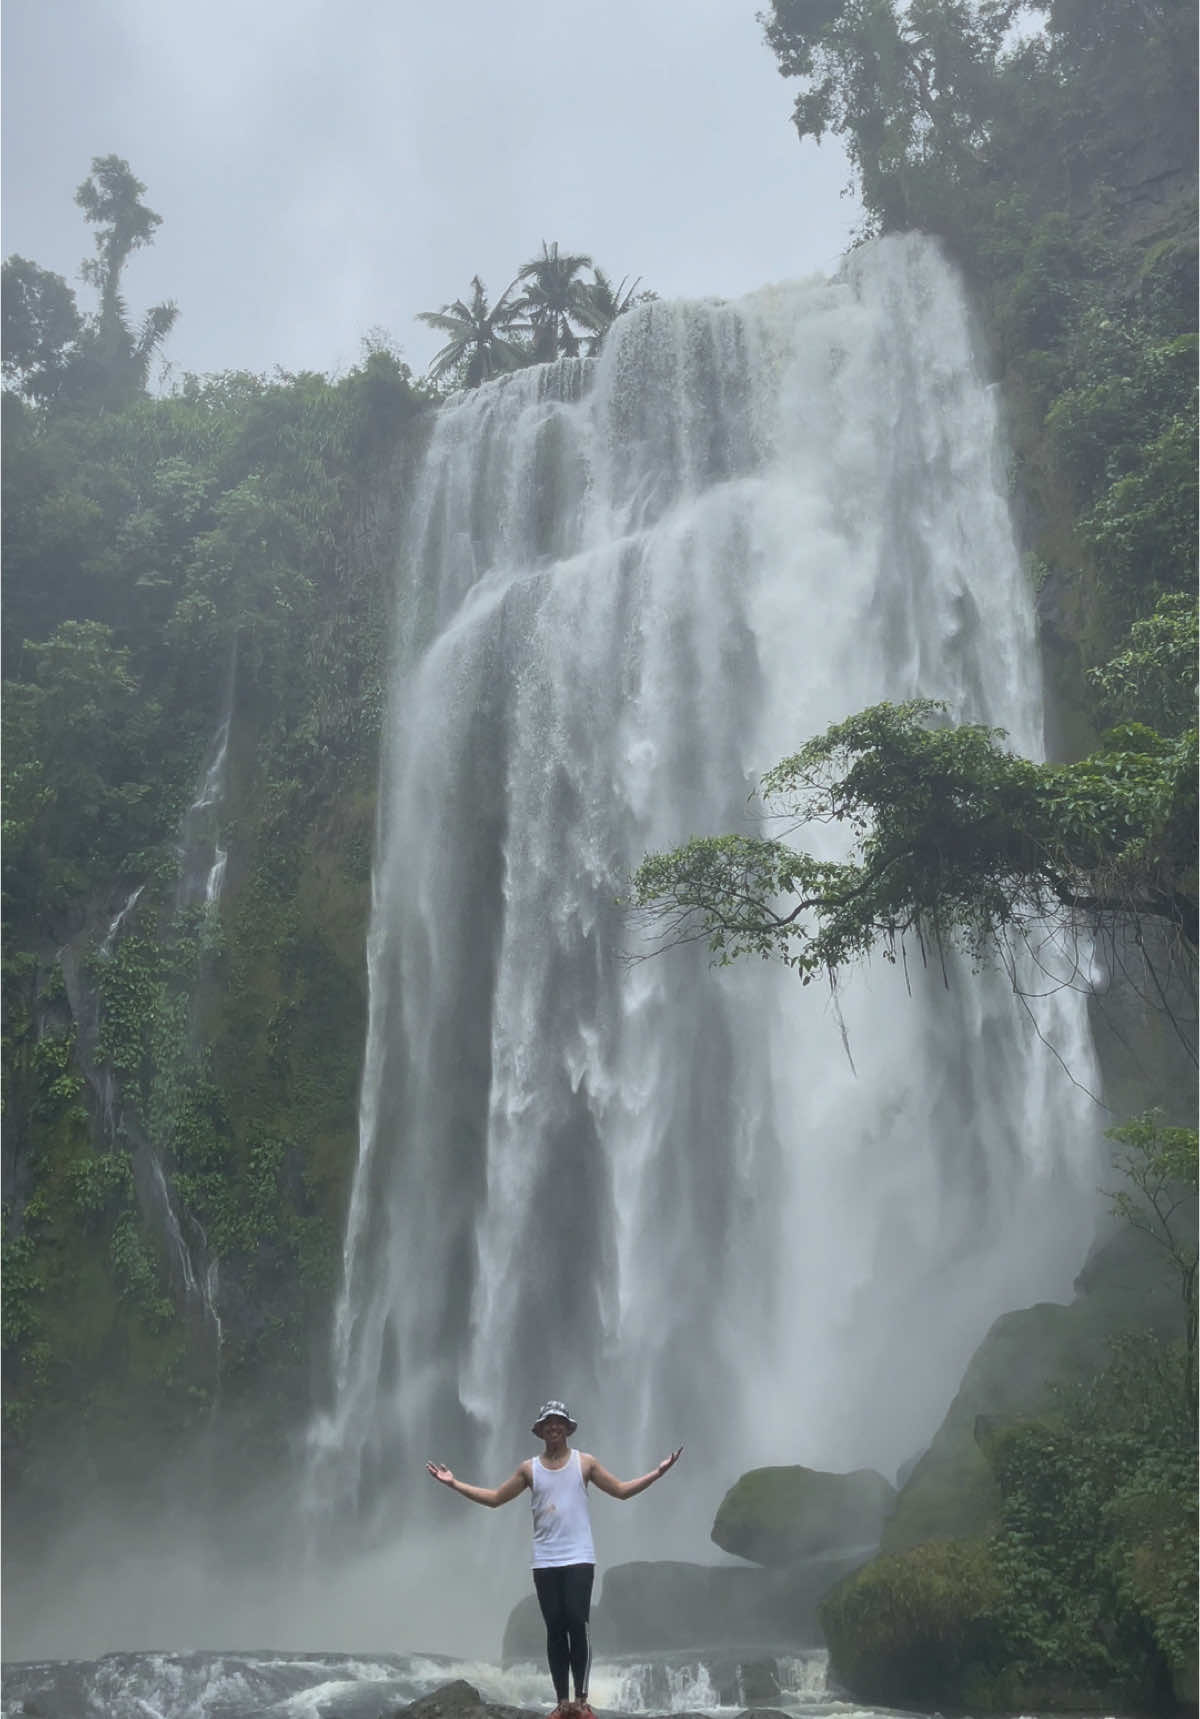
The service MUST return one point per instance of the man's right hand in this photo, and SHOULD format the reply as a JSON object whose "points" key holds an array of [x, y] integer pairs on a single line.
{"points": [[440, 1472]]}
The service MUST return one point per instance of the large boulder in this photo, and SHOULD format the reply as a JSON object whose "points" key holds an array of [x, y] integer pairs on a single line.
{"points": [[918, 1630], [525, 1632], [776, 1516], [661, 1607], [667, 1607], [951, 1493]]}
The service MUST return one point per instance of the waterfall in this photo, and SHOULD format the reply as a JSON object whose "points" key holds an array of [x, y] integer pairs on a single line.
{"points": [[114, 929], [202, 859], [627, 585]]}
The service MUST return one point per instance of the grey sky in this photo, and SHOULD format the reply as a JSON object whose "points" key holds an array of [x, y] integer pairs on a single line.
{"points": [[328, 166]]}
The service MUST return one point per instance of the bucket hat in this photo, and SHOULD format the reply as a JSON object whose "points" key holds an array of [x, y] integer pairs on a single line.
{"points": [[553, 1408]]}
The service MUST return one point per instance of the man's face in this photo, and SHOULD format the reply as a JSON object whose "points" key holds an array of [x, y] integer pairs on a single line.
{"points": [[554, 1430]]}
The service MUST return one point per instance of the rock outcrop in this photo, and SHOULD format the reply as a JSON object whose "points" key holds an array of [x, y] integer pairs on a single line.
{"points": [[666, 1607], [777, 1516], [951, 1492]]}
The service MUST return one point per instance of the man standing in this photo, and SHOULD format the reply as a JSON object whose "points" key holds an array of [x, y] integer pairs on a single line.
{"points": [[564, 1561]]}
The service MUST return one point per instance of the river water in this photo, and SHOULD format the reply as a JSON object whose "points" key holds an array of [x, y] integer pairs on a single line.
{"points": [[348, 1686]]}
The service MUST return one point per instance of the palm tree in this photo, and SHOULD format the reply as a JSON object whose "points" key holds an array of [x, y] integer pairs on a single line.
{"points": [[553, 297], [605, 303], [478, 344]]}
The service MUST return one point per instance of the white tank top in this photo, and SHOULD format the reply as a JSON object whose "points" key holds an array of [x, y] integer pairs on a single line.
{"points": [[562, 1531]]}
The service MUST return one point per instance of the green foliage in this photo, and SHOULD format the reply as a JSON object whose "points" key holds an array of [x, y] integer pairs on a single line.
{"points": [[1082, 1595], [547, 312], [553, 298], [114, 359], [101, 1181], [150, 543], [1153, 679], [57, 1086], [77, 765], [23, 1285], [51, 351], [1091, 1500], [479, 346], [919, 1628], [138, 1274], [603, 303], [1159, 1166], [1146, 521], [41, 327], [1017, 134], [955, 842]]}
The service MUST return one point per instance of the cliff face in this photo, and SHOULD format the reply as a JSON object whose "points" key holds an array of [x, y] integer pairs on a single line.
{"points": [[185, 994]]}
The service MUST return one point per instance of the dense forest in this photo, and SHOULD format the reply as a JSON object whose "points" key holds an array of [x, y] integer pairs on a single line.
{"points": [[198, 595]]}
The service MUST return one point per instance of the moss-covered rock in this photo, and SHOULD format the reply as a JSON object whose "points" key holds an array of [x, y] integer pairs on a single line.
{"points": [[952, 1491], [778, 1515], [918, 1629]]}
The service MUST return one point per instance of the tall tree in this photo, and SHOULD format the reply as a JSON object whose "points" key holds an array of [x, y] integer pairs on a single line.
{"points": [[479, 346], [42, 326], [553, 299], [907, 86], [111, 199]]}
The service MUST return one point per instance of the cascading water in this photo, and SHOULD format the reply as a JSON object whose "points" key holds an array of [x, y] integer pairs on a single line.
{"points": [[661, 1191], [202, 859]]}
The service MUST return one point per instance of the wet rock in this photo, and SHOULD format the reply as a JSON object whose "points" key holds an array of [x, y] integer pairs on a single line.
{"points": [[777, 1516], [525, 1632], [669, 1607], [759, 1684], [951, 1493], [456, 1700]]}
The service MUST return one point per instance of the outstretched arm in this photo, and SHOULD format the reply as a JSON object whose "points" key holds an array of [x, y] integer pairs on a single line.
{"points": [[599, 1476], [489, 1495]]}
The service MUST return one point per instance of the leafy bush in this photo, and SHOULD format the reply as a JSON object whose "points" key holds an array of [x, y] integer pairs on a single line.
{"points": [[920, 1627]]}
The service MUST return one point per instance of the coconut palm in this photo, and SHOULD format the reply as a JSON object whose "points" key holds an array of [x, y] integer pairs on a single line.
{"points": [[479, 345], [604, 304], [553, 298]]}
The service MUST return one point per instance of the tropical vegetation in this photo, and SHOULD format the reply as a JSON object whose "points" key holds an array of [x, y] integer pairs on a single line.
{"points": [[547, 311], [169, 560]]}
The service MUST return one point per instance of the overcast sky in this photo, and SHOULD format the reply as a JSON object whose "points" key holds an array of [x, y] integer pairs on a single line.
{"points": [[325, 167]]}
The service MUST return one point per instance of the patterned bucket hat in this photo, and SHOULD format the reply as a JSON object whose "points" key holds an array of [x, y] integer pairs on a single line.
{"points": [[553, 1408]]}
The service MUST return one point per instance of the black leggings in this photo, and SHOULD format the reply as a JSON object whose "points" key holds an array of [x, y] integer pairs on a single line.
{"points": [[565, 1595]]}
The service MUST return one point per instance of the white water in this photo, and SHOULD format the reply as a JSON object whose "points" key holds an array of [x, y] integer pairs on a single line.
{"points": [[331, 1686], [656, 1190], [202, 858], [114, 930]]}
